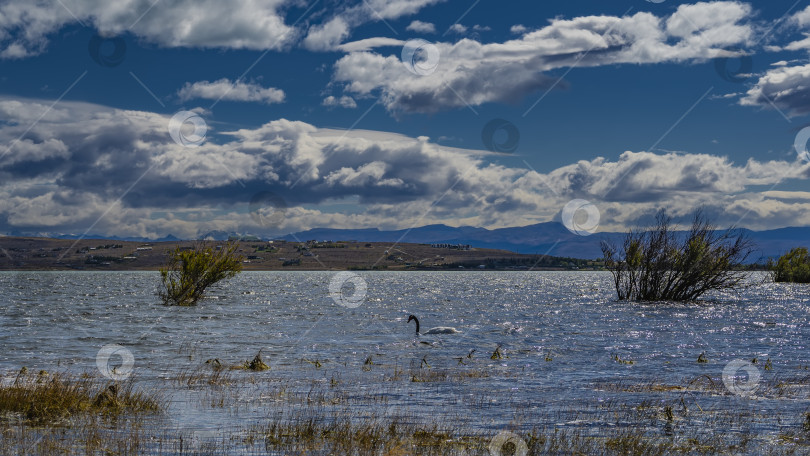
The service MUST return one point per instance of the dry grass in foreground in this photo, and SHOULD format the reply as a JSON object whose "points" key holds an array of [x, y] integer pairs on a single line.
{"points": [[58, 415], [49, 398]]}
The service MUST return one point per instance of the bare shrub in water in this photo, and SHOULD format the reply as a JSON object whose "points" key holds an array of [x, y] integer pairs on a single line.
{"points": [[658, 265]]}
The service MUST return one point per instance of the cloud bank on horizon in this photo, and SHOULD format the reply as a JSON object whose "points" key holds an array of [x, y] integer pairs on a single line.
{"points": [[72, 165]]}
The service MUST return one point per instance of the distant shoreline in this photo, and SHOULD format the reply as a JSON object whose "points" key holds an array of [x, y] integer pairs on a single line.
{"points": [[319, 270], [46, 254]]}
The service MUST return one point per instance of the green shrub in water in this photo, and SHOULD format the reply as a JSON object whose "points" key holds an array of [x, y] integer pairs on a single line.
{"points": [[657, 264], [188, 273], [793, 266]]}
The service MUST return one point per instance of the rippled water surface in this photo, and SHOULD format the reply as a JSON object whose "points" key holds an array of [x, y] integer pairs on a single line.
{"points": [[566, 345]]}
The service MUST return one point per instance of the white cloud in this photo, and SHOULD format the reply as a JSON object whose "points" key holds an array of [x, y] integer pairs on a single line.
{"points": [[645, 176], [518, 29], [240, 24], [79, 161], [369, 43], [343, 102], [786, 87], [458, 28], [393, 9], [27, 25], [421, 27], [797, 45], [26, 150], [467, 68], [783, 195], [330, 35], [225, 89], [327, 36], [365, 176], [802, 18], [724, 96], [800, 21]]}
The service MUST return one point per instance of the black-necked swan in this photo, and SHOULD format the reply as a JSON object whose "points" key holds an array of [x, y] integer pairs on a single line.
{"points": [[436, 330]]}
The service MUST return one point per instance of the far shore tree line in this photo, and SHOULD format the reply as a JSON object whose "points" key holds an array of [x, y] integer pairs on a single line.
{"points": [[652, 264]]}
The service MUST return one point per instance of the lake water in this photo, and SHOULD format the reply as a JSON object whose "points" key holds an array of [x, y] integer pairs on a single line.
{"points": [[562, 336]]}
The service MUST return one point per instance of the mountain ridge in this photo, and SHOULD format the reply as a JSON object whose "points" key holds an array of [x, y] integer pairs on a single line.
{"points": [[551, 238]]}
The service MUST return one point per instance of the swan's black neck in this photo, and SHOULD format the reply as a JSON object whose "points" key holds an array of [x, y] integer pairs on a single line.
{"points": [[413, 317]]}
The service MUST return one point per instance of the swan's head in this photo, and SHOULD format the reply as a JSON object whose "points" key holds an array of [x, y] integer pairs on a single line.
{"points": [[413, 318]]}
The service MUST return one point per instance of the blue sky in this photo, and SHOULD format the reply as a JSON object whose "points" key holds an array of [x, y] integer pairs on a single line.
{"points": [[310, 112]]}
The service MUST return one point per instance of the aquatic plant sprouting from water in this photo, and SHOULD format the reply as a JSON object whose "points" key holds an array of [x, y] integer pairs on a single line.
{"points": [[793, 266], [189, 272], [657, 264]]}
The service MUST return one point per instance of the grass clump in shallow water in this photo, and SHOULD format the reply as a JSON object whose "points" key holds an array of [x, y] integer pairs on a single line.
{"points": [[46, 398], [255, 365], [370, 436]]}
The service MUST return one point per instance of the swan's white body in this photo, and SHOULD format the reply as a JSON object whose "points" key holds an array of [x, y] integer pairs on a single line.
{"points": [[442, 330], [436, 330]]}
